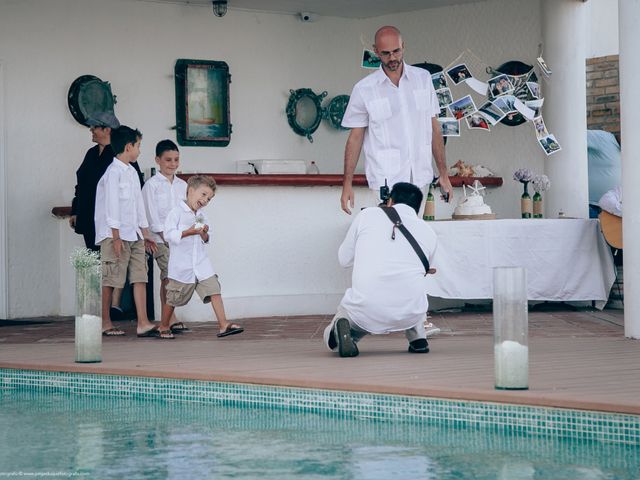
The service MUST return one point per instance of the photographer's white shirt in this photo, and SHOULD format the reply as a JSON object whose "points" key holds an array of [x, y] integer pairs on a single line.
{"points": [[188, 260], [388, 287], [119, 203], [397, 140], [160, 197]]}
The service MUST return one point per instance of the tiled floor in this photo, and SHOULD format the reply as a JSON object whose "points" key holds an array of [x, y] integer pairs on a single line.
{"points": [[578, 359]]}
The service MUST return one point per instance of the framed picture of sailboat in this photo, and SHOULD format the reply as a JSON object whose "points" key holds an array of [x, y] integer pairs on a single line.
{"points": [[202, 103]]}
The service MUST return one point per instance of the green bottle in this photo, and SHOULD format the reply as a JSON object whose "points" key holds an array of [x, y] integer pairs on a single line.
{"points": [[429, 206]]}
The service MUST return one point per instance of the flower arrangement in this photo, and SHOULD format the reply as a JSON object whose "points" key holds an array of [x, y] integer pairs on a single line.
{"points": [[523, 175], [541, 183], [82, 258], [199, 221]]}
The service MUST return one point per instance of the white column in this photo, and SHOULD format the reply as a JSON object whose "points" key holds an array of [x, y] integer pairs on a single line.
{"points": [[629, 20], [565, 37]]}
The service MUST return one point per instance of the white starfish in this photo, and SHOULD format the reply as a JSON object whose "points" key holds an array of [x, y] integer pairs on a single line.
{"points": [[476, 188]]}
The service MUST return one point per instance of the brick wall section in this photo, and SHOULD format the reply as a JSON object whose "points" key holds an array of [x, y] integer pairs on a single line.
{"points": [[603, 94]]}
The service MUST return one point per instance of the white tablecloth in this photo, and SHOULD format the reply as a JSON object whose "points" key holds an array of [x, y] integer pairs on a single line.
{"points": [[566, 259]]}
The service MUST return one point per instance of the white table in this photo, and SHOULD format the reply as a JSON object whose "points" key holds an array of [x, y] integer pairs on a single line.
{"points": [[566, 259]]}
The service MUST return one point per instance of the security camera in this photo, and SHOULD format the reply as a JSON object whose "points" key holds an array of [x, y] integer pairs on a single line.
{"points": [[308, 17]]}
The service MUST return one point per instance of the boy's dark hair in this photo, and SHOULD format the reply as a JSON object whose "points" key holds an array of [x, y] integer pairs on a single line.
{"points": [[408, 194], [123, 135], [165, 146], [198, 180]]}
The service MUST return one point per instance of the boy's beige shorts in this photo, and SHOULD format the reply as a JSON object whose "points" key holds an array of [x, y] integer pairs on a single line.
{"points": [[162, 259], [179, 294], [132, 259]]}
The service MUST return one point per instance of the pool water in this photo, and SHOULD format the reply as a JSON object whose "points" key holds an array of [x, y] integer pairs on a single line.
{"points": [[116, 438]]}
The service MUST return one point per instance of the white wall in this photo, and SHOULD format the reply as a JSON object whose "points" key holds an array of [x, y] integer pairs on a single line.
{"points": [[44, 46], [603, 28]]}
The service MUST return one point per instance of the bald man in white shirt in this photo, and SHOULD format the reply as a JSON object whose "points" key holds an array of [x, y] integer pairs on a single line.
{"points": [[389, 287], [392, 114]]}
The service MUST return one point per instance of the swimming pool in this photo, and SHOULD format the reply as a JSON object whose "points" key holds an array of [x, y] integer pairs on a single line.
{"points": [[130, 427]]}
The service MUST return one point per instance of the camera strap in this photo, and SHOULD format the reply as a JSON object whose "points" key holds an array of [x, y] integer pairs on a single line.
{"points": [[397, 223]]}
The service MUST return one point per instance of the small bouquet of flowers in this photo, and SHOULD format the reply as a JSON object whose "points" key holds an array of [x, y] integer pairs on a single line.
{"points": [[199, 222], [82, 258], [523, 175], [540, 183]]}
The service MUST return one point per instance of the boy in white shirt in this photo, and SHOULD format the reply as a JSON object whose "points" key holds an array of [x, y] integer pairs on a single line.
{"points": [[161, 194], [187, 231], [121, 230]]}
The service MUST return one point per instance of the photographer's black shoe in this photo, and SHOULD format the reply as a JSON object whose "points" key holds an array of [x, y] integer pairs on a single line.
{"points": [[419, 346], [346, 346]]}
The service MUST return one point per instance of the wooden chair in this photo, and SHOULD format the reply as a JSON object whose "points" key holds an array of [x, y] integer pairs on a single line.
{"points": [[611, 226]]}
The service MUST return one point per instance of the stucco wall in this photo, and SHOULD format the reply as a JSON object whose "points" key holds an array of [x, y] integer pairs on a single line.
{"points": [[44, 46]]}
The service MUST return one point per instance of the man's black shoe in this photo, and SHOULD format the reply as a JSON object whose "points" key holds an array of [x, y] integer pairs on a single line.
{"points": [[419, 346], [346, 346]]}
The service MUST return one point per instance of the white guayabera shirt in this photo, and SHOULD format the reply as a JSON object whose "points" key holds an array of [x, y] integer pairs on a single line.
{"points": [[160, 196], [397, 141], [388, 286], [188, 260], [119, 203]]}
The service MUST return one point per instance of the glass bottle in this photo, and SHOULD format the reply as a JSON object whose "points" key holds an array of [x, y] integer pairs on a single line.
{"points": [[88, 339], [537, 206], [510, 328], [526, 206], [429, 206]]}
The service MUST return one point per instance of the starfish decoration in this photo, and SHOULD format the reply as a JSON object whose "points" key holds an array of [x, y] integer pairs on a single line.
{"points": [[476, 188]]}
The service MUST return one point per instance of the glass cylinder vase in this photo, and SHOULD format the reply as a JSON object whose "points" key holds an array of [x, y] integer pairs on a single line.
{"points": [[510, 328], [538, 206], [88, 340], [526, 206]]}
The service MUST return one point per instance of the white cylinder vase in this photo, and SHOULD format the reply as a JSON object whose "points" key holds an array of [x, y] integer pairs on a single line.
{"points": [[510, 328], [88, 340]]}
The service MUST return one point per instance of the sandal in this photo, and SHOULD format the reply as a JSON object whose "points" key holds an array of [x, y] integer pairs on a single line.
{"points": [[179, 327], [112, 332], [152, 332], [231, 329], [166, 335]]}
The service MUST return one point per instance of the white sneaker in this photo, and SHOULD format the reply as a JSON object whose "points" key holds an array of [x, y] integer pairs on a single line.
{"points": [[431, 329]]}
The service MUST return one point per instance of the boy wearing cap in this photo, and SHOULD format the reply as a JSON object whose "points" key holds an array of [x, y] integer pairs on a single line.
{"points": [[161, 193], [121, 230]]}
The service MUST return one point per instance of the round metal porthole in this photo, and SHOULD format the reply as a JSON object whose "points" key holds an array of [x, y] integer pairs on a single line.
{"points": [[519, 74], [304, 111], [89, 95], [335, 111]]}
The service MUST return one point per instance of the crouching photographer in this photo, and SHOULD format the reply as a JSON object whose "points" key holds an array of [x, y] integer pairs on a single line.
{"points": [[389, 249]]}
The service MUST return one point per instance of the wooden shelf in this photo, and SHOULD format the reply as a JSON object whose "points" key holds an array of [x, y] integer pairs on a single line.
{"points": [[297, 181]]}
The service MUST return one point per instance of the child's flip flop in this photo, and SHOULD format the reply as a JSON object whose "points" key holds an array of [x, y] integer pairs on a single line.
{"points": [[231, 330], [179, 327], [113, 332]]}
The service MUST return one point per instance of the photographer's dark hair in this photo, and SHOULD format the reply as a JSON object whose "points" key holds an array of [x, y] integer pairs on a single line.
{"points": [[408, 194], [123, 135], [165, 146]]}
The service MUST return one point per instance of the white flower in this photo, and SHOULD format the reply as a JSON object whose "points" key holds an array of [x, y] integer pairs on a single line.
{"points": [[541, 183], [84, 258], [523, 175]]}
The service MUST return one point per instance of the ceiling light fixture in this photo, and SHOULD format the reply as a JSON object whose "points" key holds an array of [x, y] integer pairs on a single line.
{"points": [[219, 7]]}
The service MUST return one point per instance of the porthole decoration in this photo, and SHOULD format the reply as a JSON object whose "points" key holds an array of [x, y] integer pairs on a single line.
{"points": [[89, 95], [304, 111], [335, 111]]}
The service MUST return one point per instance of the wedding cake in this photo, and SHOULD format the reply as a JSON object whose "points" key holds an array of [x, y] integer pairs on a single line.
{"points": [[472, 205]]}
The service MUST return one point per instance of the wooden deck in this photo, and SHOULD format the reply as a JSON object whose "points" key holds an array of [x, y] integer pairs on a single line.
{"points": [[578, 359]]}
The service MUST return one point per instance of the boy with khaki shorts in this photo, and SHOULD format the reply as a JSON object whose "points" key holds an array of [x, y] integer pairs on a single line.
{"points": [[121, 230], [161, 193], [187, 231]]}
